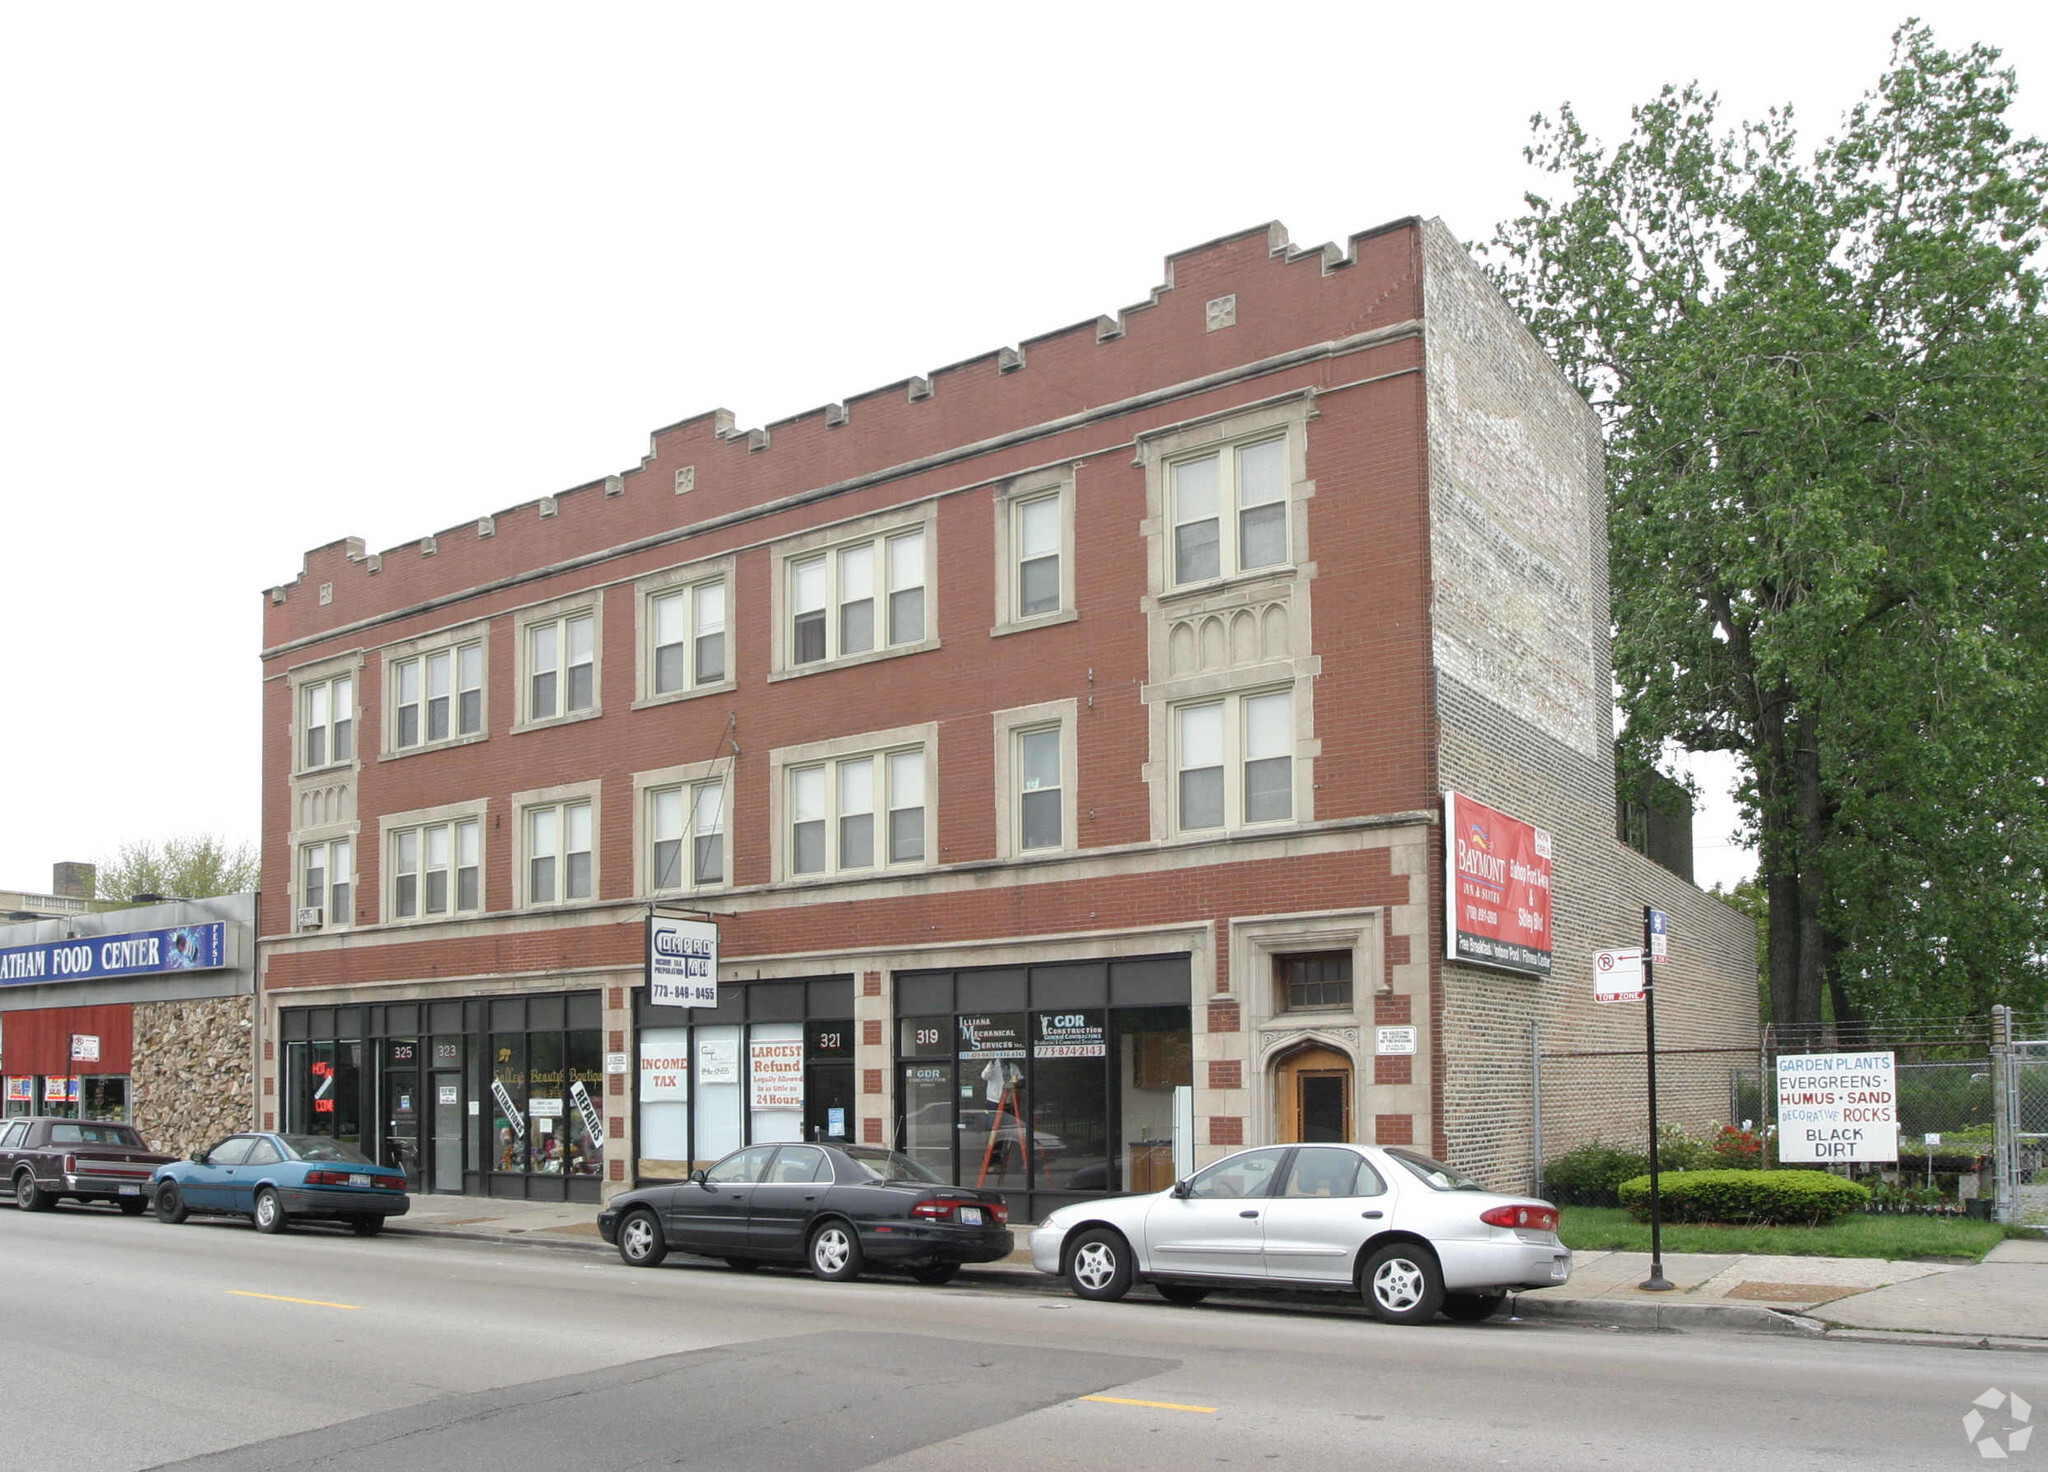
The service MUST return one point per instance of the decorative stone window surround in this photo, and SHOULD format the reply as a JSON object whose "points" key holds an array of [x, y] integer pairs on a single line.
{"points": [[306, 676], [1008, 792], [478, 633], [1254, 943], [545, 797], [921, 516], [783, 758], [689, 775], [387, 867], [645, 591], [590, 601], [1033, 486]]}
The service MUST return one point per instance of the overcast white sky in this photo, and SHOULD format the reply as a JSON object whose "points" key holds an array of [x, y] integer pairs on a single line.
{"points": [[274, 275]]}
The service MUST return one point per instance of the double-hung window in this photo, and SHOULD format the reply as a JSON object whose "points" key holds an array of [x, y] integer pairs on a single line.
{"points": [[1038, 555], [1229, 508], [328, 711], [857, 813], [435, 869], [437, 696], [1040, 783], [324, 880], [688, 826], [558, 857], [689, 638], [1234, 761], [857, 598], [561, 666]]}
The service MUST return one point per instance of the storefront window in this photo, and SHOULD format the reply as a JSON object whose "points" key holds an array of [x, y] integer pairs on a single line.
{"points": [[105, 1097], [586, 1103], [717, 1060], [20, 1095], [59, 1096], [508, 1101]]}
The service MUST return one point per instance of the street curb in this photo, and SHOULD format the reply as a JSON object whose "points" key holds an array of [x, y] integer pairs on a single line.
{"points": [[1736, 1318], [504, 1239], [1936, 1341]]}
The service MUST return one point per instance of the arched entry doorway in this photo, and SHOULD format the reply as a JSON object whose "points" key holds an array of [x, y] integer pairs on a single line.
{"points": [[1312, 1096]]}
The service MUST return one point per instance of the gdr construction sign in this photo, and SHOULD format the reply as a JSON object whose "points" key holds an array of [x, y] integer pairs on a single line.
{"points": [[1837, 1107]]}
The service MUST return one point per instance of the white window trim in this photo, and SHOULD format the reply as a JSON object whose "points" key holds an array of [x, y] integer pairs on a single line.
{"points": [[590, 602], [691, 775], [389, 825], [1009, 725], [1223, 434], [782, 760], [449, 639], [347, 666], [1009, 500], [541, 797], [319, 838], [1233, 703], [830, 540], [674, 579]]}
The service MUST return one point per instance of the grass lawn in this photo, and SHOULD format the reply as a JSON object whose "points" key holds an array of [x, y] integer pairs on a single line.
{"points": [[1593, 1228]]}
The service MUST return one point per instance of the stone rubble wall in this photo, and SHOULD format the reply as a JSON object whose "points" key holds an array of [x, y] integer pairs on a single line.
{"points": [[191, 1081]]}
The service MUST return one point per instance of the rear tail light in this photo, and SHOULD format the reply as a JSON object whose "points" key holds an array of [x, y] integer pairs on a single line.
{"points": [[71, 1165], [327, 1178], [1530, 1218], [947, 1209]]}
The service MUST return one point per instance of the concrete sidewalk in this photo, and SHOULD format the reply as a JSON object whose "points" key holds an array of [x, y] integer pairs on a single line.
{"points": [[2002, 1301]]}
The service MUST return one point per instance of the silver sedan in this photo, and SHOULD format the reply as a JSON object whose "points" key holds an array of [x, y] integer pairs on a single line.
{"points": [[1410, 1234]]}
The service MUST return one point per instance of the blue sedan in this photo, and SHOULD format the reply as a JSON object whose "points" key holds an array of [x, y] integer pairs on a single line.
{"points": [[277, 1179]]}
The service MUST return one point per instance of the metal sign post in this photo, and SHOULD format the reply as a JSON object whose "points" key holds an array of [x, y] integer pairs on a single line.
{"points": [[1653, 938]]}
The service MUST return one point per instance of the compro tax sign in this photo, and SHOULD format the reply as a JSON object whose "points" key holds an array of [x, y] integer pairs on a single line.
{"points": [[682, 963], [1837, 1107]]}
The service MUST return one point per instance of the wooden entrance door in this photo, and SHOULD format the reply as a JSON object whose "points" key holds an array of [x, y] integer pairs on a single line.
{"points": [[1312, 1096]]}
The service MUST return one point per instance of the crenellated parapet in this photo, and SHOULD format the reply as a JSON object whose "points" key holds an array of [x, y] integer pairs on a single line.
{"points": [[1235, 301]]}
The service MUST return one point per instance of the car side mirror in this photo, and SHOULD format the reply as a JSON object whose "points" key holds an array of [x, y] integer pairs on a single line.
{"points": [[1181, 1190], [199, 1157], [700, 1178]]}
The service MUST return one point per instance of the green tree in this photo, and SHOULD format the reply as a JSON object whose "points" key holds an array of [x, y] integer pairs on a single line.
{"points": [[1821, 377], [183, 868]]}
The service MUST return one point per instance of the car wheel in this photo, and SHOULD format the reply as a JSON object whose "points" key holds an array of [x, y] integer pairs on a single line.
{"points": [[1472, 1308], [1181, 1292], [130, 1205], [269, 1212], [1402, 1284], [742, 1264], [29, 1196], [835, 1252], [170, 1206], [366, 1226], [1099, 1267], [937, 1275], [640, 1241]]}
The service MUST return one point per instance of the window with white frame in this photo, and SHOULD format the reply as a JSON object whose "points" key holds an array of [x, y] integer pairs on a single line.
{"points": [[436, 869], [1229, 510], [327, 718], [324, 880], [857, 813], [1040, 785], [687, 647], [1234, 761], [558, 857], [437, 696], [687, 827], [857, 598], [561, 666]]}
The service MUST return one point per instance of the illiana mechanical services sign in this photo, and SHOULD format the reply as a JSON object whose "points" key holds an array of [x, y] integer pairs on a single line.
{"points": [[100, 957], [1496, 888]]}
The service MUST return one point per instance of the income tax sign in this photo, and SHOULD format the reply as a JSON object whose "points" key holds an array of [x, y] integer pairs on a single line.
{"points": [[1837, 1107], [1496, 888], [682, 963]]}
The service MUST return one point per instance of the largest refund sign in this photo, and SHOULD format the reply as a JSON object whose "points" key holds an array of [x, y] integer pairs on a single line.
{"points": [[1496, 888]]}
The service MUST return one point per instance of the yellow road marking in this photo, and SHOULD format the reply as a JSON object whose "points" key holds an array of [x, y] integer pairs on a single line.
{"points": [[1156, 1405], [280, 1298]]}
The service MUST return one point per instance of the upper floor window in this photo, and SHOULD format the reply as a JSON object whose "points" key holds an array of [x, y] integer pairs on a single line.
{"points": [[561, 666], [687, 824], [1229, 509], [864, 597], [558, 857], [1038, 555], [689, 637], [1040, 782], [436, 869], [1233, 761], [437, 696], [860, 812], [328, 710], [1034, 573], [324, 884]]}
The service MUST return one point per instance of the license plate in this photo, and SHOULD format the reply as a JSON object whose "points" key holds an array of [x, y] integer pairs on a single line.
{"points": [[1560, 1267], [359, 1179], [970, 1216], [131, 1190]]}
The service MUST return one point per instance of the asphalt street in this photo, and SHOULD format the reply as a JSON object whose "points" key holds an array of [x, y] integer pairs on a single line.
{"points": [[139, 1345]]}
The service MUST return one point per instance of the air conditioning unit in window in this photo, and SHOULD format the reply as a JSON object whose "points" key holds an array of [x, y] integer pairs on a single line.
{"points": [[310, 917]]}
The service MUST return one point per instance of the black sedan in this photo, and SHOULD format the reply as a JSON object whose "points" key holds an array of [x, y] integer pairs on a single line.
{"points": [[840, 1208]]}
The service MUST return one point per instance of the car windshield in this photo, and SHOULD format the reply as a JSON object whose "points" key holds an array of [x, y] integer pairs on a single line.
{"points": [[887, 1165], [95, 1134], [1434, 1173], [319, 1147]]}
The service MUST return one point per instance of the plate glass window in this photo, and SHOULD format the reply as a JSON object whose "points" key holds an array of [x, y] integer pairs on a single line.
{"points": [[328, 712], [1038, 760], [1038, 556]]}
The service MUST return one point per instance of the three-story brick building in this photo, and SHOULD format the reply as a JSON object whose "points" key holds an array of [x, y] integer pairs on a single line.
{"points": [[1046, 734]]}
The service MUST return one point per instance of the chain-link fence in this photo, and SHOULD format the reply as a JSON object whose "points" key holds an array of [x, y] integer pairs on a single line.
{"points": [[2020, 1067]]}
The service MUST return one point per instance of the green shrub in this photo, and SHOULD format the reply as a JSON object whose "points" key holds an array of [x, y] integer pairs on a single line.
{"points": [[1807, 1198], [1588, 1175]]}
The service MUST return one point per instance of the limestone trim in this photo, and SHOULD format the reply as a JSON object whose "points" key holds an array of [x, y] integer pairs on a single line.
{"points": [[523, 804], [876, 528], [1063, 715], [721, 570], [390, 824], [1010, 499], [476, 632], [558, 610], [688, 776], [783, 760]]}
